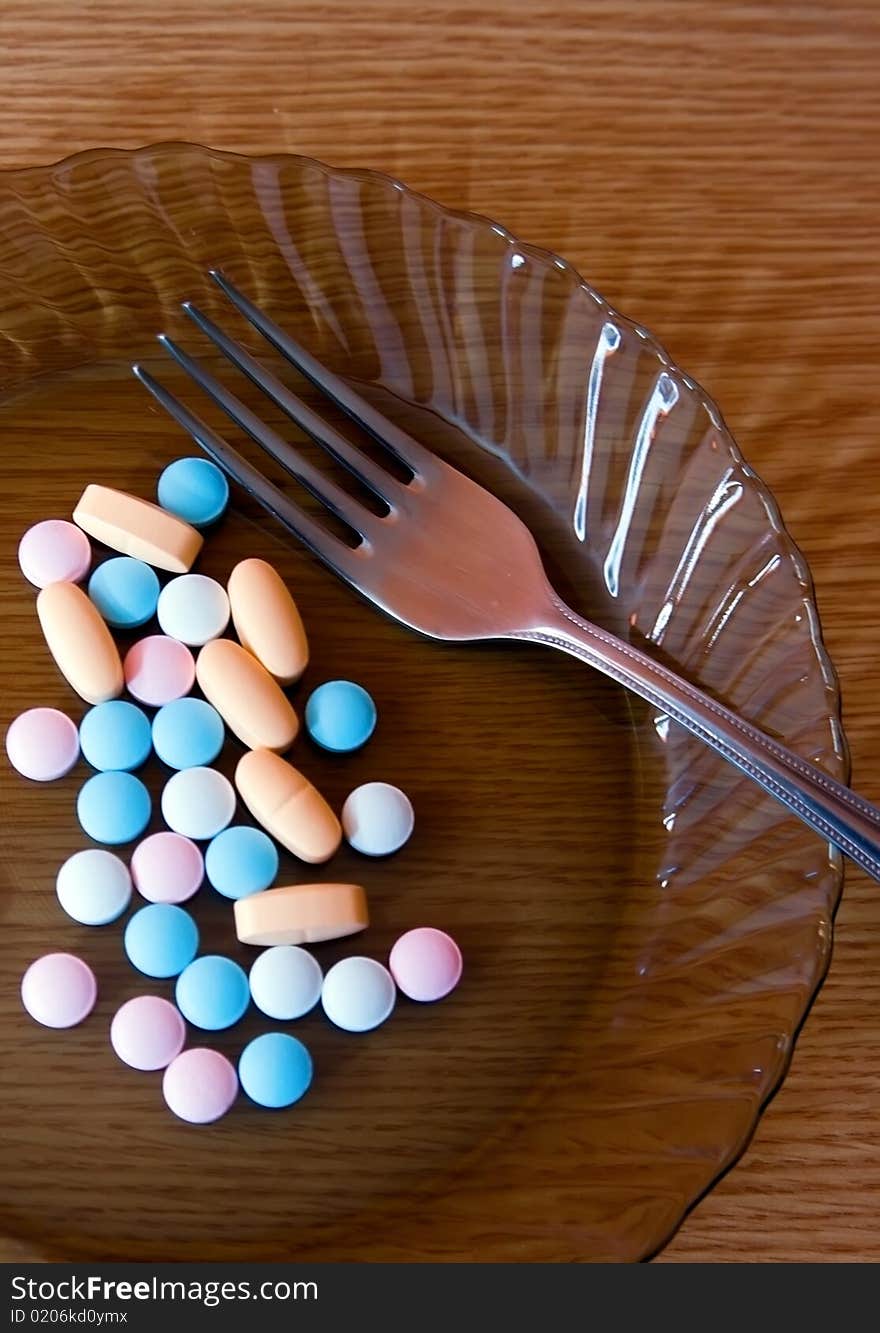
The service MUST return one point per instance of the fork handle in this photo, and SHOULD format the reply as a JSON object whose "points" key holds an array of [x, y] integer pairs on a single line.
{"points": [[832, 809]]}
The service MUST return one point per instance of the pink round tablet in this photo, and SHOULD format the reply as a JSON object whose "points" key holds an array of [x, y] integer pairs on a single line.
{"points": [[159, 669], [59, 990], [425, 963], [167, 868], [54, 551], [147, 1032], [43, 744], [200, 1085]]}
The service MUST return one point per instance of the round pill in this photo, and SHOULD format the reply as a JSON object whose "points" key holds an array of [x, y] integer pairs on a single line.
{"points": [[212, 992], [340, 715], [358, 994], [54, 551], [113, 807], [94, 887], [125, 591], [194, 489], [285, 982], [167, 868], [147, 1032], [198, 802], [161, 940], [188, 733], [59, 990], [42, 744], [241, 860], [377, 819], [193, 609], [159, 669], [199, 1085], [115, 736], [275, 1070], [426, 963]]}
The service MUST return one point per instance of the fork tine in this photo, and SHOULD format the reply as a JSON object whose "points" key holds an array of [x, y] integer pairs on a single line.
{"points": [[322, 487], [377, 479], [412, 454], [327, 547]]}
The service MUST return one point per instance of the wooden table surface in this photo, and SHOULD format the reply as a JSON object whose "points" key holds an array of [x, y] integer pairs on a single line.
{"points": [[684, 155]]}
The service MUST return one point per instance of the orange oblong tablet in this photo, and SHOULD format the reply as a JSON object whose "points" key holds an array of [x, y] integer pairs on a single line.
{"points": [[137, 528], [79, 640], [288, 806], [267, 621], [301, 914], [252, 704]]}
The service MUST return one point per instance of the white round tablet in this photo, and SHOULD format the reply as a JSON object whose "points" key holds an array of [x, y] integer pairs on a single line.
{"points": [[94, 887], [198, 802], [377, 819], [285, 981], [193, 609], [358, 994]]}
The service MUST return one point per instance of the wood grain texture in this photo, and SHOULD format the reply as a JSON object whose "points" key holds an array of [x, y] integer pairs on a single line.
{"points": [[712, 169]]}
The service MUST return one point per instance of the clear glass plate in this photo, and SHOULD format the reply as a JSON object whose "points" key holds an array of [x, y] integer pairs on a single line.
{"points": [[643, 929]]}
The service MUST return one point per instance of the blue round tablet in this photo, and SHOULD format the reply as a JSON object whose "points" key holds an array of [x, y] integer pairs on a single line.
{"points": [[275, 1069], [188, 733], [340, 715], [194, 489], [240, 861], [113, 807], [125, 591], [213, 992], [115, 735], [161, 940]]}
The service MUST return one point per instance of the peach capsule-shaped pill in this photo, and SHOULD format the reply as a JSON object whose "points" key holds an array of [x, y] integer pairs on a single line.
{"points": [[252, 704], [80, 642], [137, 528], [267, 621], [288, 806], [301, 914]]}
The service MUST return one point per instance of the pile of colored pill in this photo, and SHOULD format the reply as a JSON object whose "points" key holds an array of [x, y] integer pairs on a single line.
{"points": [[244, 682]]}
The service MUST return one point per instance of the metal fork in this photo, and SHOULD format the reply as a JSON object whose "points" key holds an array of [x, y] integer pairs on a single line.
{"points": [[452, 561]]}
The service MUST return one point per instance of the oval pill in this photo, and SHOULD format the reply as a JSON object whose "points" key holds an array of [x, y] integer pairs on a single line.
{"points": [[212, 992], [54, 551], [160, 940], [59, 990], [241, 860], [198, 802], [358, 994], [252, 704], [188, 733], [194, 489], [147, 1032], [137, 528], [42, 744], [285, 982], [93, 887], [193, 608], [340, 716], [167, 868], [113, 807], [288, 806], [159, 669], [200, 1085], [125, 591], [377, 819], [115, 735], [275, 1070], [267, 621], [80, 642], [301, 914]]}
